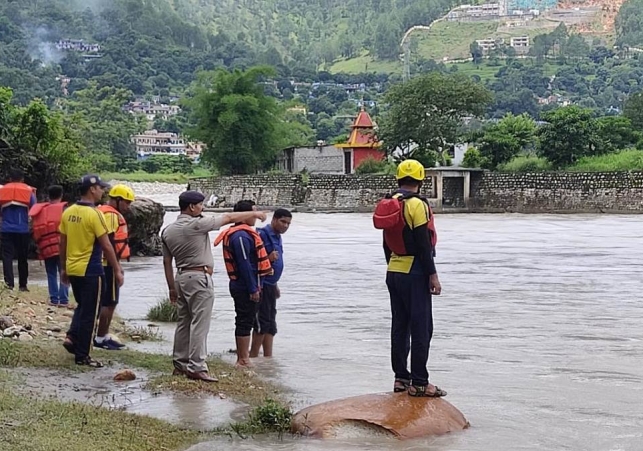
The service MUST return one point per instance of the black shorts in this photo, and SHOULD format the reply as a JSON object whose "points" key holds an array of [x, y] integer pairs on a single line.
{"points": [[110, 292], [266, 321]]}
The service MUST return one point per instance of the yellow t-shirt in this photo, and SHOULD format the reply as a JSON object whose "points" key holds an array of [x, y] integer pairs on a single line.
{"points": [[83, 224], [111, 219], [416, 213]]}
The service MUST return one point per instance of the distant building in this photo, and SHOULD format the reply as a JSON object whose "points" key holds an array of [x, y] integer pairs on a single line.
{"points": [[489, 43], [519, 42], [153, 142], [77, 45], [362, 143], [152, 110]]}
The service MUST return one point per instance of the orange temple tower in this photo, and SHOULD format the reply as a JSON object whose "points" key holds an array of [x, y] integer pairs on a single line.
{"points": [[362, 143]]}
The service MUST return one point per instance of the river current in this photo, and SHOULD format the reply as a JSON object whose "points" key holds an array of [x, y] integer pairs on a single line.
{"points": [[538, 333]]}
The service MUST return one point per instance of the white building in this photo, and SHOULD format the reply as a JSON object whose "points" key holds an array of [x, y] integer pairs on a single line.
{"points": [[153, 142]]}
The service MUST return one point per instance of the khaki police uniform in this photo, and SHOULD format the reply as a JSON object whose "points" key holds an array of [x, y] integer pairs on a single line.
{"points": [[187, 241]]}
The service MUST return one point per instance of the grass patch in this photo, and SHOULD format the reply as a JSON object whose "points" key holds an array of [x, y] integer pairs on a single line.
{"points": [[626, 160], [43, 425], [452, 39], [143, 333], [240, 385], [526, 163], [164, 312], [269, 417], [365, 63]]}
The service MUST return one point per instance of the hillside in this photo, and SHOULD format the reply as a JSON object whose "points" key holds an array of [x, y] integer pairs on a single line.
{"points": [[151, 46]]}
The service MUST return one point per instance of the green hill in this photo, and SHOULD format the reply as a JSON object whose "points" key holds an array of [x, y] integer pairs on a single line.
{"points": [[153, 46]]}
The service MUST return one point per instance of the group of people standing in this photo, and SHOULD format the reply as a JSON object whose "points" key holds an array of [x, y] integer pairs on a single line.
{"points": [[84, 243], [254, 263], [81, 244]]}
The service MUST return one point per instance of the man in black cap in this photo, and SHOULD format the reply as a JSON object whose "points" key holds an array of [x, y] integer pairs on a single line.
{"points": [[187, 242], [83, 240]]}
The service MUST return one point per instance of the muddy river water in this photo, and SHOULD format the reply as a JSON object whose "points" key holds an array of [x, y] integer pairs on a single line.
{"points": [[538, 334]]}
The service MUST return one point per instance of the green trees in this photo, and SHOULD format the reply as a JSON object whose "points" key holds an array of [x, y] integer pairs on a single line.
{"points": [[425, 113], [503, 141], [629, 24], [38, 141], [569, 134], [236, 120], [633, 110], [105, 128]]}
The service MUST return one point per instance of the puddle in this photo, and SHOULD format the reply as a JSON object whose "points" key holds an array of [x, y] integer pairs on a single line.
{"points": [[98, 388]]}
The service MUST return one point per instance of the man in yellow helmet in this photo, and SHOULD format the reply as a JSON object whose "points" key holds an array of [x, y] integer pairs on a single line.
{"points": [[411, 278], [120, 199]]}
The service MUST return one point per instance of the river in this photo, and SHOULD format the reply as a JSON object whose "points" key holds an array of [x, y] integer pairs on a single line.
{"points": [[538, 336]]}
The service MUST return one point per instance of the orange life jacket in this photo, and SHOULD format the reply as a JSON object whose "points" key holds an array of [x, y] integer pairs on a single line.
{"points": [[263, 264], [16, 193], [46, 221], [121, 236]]}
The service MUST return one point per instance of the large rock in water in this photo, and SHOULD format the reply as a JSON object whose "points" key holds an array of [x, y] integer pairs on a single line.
{"points": [[395, 414], [144, 221]]}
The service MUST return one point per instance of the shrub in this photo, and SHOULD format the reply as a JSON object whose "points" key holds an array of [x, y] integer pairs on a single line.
{"points": [[164, 312], [626, 160], [371, 166], [271, 416], [526, 163], [473, 158]]}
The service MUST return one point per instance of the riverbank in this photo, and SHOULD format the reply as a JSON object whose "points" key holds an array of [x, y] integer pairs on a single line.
{"points": [[45, 398]]}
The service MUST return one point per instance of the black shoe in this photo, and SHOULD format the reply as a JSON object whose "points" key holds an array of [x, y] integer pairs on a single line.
{"points": [[24, 289]]}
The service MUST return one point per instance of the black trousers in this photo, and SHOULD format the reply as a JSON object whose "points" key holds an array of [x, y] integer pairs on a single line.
{"points": [[246, 313], [87, 291], [266, 321], [15, 245], [412, 325]]}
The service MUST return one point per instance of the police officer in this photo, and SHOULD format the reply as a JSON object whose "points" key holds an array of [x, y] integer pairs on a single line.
{"points": [[411, 280], [187, 242]]}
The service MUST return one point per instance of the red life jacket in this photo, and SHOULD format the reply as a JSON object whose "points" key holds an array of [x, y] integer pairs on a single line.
{"points": [[389, 217], [45, 222], [121, 236], [16, 193]]}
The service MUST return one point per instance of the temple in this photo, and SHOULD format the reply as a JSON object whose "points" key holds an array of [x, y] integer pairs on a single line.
{"points": [[362, 143]]}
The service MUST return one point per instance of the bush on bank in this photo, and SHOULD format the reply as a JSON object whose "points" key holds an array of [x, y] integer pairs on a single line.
{"points": [[164, 312]]}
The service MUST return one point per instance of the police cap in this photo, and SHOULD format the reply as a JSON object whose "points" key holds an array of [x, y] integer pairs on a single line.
{"points": [[191, 197]]}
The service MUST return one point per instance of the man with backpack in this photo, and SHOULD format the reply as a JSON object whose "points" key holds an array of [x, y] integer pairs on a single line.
{"points": [[409, 239]]}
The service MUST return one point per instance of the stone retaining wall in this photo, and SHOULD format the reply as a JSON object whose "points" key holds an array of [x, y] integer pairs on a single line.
{"points": [[559, 192], [489, 192]]}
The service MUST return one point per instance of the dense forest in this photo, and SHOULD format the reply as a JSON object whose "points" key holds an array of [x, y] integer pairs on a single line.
{"points": [[158, 46]]}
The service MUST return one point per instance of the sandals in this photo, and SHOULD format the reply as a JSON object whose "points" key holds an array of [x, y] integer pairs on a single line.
{"points": [[401, 385], [88, 361], [420, 391]]}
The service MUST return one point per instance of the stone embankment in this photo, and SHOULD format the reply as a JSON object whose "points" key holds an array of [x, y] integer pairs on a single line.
{"points": [[488, 192]]}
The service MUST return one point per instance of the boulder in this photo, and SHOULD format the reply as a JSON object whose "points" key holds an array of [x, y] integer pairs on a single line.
{"points": [[5, 322], [144, 221], [125, 375], [393, 414]]}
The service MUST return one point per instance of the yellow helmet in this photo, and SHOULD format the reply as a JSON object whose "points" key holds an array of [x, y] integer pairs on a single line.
{"points": [[410, 168], [122, 191]]}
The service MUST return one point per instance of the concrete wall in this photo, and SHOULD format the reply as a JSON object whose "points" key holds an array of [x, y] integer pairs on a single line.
{"points": [[327, 159], [489, 192]]}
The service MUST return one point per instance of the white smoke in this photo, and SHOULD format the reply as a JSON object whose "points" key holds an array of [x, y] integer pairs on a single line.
{"points": [[42, 48]]}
